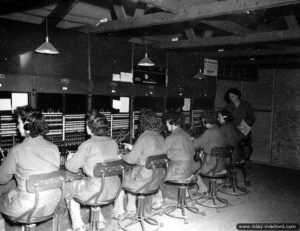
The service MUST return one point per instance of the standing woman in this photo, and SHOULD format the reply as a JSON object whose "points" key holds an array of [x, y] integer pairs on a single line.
{"points": [[97, 149], [33, 156], [243, 116], [149, 143]]}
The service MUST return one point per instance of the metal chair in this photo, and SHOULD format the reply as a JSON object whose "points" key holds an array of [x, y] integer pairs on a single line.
{"points": [[213, 200], [41, 183], [103, 170], [230, 186], [181, 202], [154, 163]]}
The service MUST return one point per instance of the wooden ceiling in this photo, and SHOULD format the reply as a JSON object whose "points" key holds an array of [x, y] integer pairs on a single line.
{"points": [[239, 32]]}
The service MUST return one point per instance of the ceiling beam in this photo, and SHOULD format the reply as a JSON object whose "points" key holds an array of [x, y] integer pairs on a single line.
{"points": [[228, 26], [191, 13], [153, 41], [235, 40], [291, 21], [9, 6], [252, 52], [273, 61], [190, 33], [120, 11], [171, 6], [60, 11]]}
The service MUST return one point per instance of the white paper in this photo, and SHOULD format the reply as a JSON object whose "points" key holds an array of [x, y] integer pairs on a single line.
{"points": [[5, 104], [116, 104], [124, 101], [187, 104], [19, 100], [244, 127], [116, 77], [126, 77]]}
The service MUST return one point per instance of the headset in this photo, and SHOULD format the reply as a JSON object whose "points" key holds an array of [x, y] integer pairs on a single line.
{"points": [[171, 122], [29, 124]]}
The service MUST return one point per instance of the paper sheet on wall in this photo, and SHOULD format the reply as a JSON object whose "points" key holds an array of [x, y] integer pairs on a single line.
{"points": [[244, 128]]}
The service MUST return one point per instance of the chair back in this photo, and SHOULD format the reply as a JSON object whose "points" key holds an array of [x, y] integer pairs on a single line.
{"points": [[220, 153], [155, 163], [105, 169], [225, 152], [40, 183]]}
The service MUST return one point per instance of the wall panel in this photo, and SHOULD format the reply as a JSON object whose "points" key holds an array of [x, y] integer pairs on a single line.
{"points": [[286, 144]]}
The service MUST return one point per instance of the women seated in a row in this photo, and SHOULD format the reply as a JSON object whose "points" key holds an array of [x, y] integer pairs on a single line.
{"points": [[26, 159], [34, 155]]}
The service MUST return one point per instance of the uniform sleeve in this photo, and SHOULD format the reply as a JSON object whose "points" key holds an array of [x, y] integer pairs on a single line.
{"points": [[169, 141], [249, 114], [78, 159], [133, 157], [200, 141], [8, 167]]}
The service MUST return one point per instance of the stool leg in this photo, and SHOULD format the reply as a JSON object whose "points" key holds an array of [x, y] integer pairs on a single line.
{"points": [[139, 216], [233, 188], [182, 205], [212, 200]]}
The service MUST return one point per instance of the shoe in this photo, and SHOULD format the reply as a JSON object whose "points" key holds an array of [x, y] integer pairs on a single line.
{"points": [[130, 213], [118, 213], [195, 195], [204, 194], [118, 216], [81, 228]]}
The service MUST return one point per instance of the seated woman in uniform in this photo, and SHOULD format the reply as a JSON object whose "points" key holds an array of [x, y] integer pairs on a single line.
{"points": [[98, 148], [212, 137], [181, 152], [229, 131], [179, 147], [149, 143], [33, 156]]}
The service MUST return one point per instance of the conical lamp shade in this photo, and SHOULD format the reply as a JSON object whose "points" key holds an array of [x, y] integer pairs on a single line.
{"points": [[146, 61], [199, 75], [47, 48]]}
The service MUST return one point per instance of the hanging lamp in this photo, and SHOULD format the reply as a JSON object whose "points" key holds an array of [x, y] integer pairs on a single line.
{"points": [[146, 61], [199, 75], [47, 47]]}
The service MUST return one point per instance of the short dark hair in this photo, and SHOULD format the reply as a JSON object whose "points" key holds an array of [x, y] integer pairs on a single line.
{"points": [[234, 91], [226, 114], [151, 122], [34, 121], [175, 118], [97, 122]]}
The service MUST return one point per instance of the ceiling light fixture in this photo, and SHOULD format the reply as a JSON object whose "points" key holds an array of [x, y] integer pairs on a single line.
{"points": [[146, 62], [199, 75], [47, 47]]}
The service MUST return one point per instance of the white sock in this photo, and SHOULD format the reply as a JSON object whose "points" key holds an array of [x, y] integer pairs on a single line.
{"points": [[74, 210], [131, 203], [119, 204], [202, 186]]}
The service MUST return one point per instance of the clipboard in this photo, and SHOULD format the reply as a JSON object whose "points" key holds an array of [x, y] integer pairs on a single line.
{"points": [[244, 127]]}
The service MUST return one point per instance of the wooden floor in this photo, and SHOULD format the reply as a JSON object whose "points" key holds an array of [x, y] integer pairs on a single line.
{"points": [[274, 198]]}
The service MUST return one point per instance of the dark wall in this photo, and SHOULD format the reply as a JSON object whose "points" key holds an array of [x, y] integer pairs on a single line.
{"points": [[182, 67], [17, 56], [27, 71]]}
